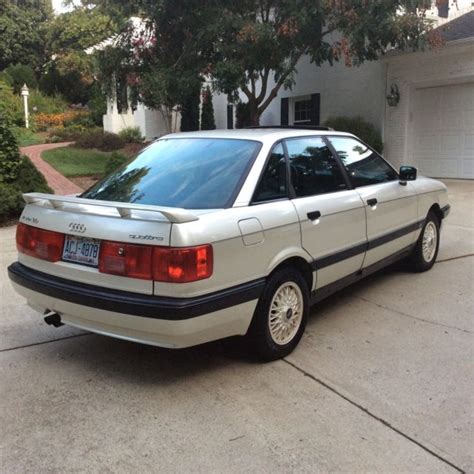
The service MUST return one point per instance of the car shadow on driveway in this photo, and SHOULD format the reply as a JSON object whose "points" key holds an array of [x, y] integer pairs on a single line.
{"points": [[144, 364]]}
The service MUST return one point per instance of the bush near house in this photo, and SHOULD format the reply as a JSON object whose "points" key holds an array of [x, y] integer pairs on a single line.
{"points": [[17, 175], [101, 140], [207, 112], [359, 127], [131, 135]]}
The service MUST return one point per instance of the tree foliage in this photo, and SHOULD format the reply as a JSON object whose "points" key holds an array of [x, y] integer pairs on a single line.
{"points": [[21, 74], [253, 46], [22, 30], [71, 72]]}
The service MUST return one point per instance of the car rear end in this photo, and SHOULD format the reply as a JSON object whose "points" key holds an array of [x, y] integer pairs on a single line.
{"points": [[110, 266]]}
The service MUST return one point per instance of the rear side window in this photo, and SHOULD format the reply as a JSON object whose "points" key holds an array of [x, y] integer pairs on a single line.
{"points": [[273, 184], [363, 165], [193, 173], [314, 169]]}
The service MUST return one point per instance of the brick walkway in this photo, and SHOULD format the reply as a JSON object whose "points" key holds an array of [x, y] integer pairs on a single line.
{"points": [[56, 181]]}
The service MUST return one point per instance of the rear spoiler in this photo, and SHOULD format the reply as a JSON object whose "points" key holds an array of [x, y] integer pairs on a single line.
{"points": [[173, 214]]}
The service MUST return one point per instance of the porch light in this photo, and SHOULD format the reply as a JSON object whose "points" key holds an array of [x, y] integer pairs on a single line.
{"points": [[393, 97]]}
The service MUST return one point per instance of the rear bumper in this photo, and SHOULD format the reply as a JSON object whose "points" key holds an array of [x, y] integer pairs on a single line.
{"points": [[162, 321]]}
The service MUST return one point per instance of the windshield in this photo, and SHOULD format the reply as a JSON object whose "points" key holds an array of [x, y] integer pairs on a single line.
{"points": [[193, 173]]}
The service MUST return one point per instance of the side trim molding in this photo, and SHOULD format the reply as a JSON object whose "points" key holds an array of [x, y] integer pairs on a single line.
{"points": [[148, 306], [361, 248], [325, 291]]}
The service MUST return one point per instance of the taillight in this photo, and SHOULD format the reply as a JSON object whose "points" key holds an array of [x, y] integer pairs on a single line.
{"points": [[129, 260], [167, 264], [182, 265], [39, 243]]}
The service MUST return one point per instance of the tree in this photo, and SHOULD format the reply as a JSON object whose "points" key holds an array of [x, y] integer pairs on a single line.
{"points": [[21, 74], [72, 71], [207, 113], [22, 31], [254, 46]]}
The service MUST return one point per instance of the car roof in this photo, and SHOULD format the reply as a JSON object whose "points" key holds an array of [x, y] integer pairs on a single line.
{"points": [[259, 134]]}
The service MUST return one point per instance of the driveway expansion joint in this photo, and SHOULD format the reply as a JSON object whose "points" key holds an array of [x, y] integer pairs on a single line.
{"points": [[401, 313], [374, 416], [455, 258], [45, 342]]}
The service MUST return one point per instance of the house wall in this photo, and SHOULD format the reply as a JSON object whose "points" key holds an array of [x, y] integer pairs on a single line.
{"points": [[150, 122], [453, 64], [344, 90]]}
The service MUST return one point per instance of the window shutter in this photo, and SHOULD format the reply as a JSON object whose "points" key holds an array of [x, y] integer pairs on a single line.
{"points": [[284, 111], [315, 108], [230, 116]]}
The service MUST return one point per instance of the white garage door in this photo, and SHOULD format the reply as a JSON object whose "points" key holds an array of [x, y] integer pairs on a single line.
{"points": [[443, 131]]}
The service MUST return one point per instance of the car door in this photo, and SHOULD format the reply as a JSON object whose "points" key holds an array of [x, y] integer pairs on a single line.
{"points": [[392, 220], [332, 216]]}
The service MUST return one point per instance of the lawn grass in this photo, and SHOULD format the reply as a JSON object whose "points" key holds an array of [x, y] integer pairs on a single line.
{"points": [[70, 161]]}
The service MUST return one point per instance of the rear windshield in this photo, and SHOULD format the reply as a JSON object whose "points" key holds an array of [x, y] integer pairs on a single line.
{"points": [[194, 173]]}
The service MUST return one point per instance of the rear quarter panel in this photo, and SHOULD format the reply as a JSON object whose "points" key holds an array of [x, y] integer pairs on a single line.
{"points": [[236, 262]]}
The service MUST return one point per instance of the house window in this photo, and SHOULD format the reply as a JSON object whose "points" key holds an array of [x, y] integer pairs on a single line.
{"points": [[302, 112]]}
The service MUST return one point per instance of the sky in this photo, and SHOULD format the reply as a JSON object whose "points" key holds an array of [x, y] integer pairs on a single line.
{"points": [[58, 6]]}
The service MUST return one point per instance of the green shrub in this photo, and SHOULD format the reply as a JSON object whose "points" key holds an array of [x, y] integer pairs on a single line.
{"points": [[190, 110], [131, 135], [84, 120], [22, 74], [46, 104], [11, 107], [97, 138], [111, 142], [116, 161], [28, 180], [360, 128], [26, 137], [70, 133], [9, 153], [207, 112], [97, 104], [90, 139]]}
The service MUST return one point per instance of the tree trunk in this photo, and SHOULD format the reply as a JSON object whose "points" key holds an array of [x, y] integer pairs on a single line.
{"points": [[254, 115]]}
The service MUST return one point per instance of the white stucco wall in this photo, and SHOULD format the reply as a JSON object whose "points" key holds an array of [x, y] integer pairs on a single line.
{"points": [[344, 91], [453, 64], [150, 122]]}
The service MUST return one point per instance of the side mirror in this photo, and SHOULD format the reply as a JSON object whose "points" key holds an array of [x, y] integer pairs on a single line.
{"points": [[407, 173]]}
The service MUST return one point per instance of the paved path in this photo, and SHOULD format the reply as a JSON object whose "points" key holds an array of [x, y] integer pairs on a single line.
{"points": [[56, 181]]}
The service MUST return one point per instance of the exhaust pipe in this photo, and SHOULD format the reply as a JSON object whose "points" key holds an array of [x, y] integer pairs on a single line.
{"points": [[54, 319]]}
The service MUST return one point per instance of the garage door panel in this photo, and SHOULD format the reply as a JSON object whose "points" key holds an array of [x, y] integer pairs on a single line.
{"points": [[443, 128]]}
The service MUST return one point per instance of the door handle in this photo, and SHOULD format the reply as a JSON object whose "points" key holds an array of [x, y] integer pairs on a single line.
{"points": [[372, 202], [314, 215]]}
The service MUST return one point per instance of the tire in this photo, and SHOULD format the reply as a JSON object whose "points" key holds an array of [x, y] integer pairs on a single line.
{"points": [[426, 250], [272, 338]]}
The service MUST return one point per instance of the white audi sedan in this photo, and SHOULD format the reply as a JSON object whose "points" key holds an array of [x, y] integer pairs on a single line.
{"points": [[207, 235]]}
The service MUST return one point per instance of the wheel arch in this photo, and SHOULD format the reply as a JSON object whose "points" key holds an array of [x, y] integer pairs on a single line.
{"points": [[436, 210], [301, 264]]}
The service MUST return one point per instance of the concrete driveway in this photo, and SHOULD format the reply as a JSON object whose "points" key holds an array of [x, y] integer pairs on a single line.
{"points": [[382, 381]]}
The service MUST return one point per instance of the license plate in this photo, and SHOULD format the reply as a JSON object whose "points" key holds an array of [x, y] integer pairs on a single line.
{"points": [[81, 250]]}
